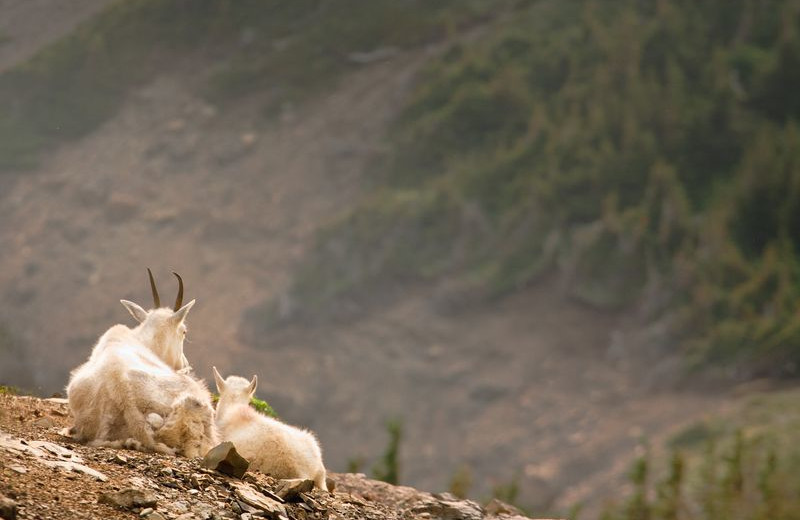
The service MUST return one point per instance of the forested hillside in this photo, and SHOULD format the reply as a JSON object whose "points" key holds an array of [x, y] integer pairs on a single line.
{"points": [[647, 152], [288, 50]]}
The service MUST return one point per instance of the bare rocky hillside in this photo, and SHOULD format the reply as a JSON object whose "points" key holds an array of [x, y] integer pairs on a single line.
{"points": [[533, 388]]}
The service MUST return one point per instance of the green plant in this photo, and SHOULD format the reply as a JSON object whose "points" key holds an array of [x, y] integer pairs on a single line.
{"points": [[262, 407], [736, 476], [508, 492], [387, 468], [461, 482], [9, 390], [355, 464], [638, 506], [669, 498], [257, 404]]}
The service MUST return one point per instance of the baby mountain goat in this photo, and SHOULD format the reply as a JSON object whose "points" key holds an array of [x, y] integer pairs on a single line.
{"points": [[271, 446], [137, 381], [189, 427]]}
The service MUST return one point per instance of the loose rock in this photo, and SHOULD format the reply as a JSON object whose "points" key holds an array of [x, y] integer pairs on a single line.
{"points": [[8, 508], [290, 489], [44, 422], [225, 459], [253, 498], [119, 459], [445, 509], [128, 498], [496, 507]]}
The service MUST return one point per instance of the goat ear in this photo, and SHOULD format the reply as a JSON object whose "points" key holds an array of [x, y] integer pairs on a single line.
{"points": [[181, 313], [218, 379], [137, 312], [253, 384]]}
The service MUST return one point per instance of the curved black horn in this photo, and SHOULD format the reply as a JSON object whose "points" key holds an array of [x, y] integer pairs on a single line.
{"points": [[179, 299], [156, 299]]}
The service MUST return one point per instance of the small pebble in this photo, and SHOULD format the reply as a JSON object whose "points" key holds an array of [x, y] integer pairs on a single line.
{"points": [[119, 459], [44, 422]]}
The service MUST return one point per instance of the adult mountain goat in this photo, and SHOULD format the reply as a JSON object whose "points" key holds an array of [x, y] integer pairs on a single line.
{"points": [[271, 446], [135, 378]]}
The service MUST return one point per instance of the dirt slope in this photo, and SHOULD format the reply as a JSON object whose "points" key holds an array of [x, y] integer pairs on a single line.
{"points": [[533, 386], [173, 184]]}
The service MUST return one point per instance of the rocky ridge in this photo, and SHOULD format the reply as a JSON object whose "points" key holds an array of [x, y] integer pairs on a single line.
{"points": [[44, 475]]}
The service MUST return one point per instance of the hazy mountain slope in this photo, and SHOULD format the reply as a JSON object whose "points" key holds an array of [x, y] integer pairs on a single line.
{"points": [[534, 385], [647, 154], [27, 25], [172, 184]]}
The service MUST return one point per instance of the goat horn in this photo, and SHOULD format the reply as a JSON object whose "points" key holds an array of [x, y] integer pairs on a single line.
{"points": [[156, 299], [179, 299]]}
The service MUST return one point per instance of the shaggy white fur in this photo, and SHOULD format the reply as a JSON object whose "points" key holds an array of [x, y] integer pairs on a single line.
{"points": [[134, 373], [271, 446]]}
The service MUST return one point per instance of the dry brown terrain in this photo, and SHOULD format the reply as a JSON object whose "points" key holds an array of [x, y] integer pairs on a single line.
{"points": [[534, 385]]}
